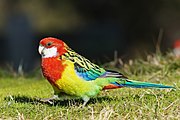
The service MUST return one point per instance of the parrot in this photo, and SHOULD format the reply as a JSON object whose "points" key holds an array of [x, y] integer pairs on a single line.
{"points": [[74, 76]]}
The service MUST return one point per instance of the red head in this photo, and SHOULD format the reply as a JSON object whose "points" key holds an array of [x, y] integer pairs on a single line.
{"points": [[51, 47]]}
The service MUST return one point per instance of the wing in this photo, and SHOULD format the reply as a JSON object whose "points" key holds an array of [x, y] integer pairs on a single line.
{"points": [[113, 74], [83, 67], [88, 70], [90, 73]]}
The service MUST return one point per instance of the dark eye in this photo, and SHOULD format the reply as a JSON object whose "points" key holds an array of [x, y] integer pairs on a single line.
{"points": [[49, 44]]}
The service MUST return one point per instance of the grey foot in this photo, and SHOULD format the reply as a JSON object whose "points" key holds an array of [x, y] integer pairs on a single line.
{"points": [[49, 100]]}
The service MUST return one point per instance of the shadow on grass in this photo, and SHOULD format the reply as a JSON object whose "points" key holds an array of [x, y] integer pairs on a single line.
{"points": [[75, 102]]}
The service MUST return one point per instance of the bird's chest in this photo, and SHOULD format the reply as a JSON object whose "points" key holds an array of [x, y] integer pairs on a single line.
{"points": [[72, 84], [52, 69]]}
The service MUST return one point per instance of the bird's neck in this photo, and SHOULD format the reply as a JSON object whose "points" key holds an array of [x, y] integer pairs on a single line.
{"points": [[52, 68]]}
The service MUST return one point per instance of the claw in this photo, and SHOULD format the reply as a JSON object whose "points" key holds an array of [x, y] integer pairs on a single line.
{"points": [[49, 100]]}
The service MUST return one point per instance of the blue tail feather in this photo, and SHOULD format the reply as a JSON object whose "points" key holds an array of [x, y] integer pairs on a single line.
{"points": [[138, 84]]}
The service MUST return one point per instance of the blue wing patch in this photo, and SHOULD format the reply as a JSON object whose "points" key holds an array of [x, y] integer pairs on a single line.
{"points": [[89, 74]]}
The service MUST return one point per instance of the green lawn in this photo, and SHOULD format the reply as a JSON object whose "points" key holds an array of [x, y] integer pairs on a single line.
{"points": [[18, 95]]}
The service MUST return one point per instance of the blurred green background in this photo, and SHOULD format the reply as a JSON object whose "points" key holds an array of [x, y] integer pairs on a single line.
{"points": [[95, 29]]}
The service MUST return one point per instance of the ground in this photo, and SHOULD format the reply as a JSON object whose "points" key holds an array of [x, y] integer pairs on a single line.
{"points": [[18, 94]]}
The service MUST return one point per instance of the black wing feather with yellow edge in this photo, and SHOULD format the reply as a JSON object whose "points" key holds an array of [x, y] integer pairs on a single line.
{"points": [[83, 67]]}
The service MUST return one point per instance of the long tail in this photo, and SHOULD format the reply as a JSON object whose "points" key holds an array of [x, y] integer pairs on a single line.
{"points": [[134, 84], [118, 80], [138, 84]]}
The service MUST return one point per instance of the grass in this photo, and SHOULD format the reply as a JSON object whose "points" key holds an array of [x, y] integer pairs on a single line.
{"points": [[18, 95]]}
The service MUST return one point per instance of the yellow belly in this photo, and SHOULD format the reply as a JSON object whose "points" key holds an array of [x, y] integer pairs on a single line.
{"points": [[71, 84]]}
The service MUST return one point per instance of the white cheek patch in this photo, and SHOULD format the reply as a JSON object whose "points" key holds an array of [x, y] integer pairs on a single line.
{"points": [[49, 52]]}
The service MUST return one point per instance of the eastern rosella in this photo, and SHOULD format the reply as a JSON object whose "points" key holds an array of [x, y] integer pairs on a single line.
{"points": [[72, 75]]}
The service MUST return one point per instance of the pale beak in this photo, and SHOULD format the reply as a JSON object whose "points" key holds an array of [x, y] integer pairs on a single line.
{"points": [[40, 49]]}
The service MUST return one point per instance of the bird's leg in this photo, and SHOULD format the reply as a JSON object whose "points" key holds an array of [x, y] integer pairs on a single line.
{"points": [[49, 100], [86, 99]]}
